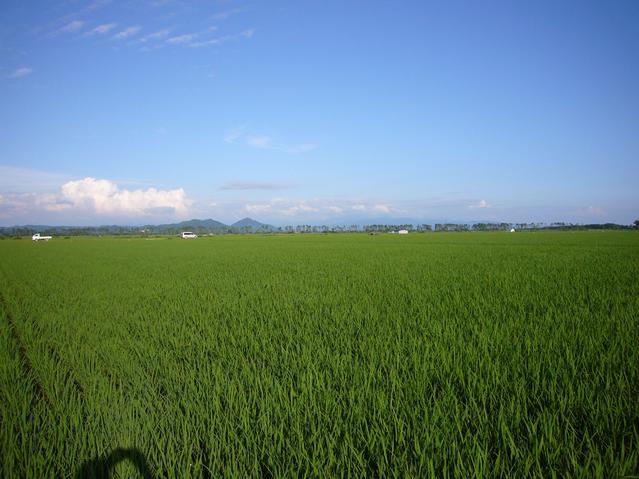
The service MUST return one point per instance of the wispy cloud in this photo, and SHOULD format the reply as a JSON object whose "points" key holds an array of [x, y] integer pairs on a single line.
{"points": [[267, 143], [161, 3], [127, 33], [73, 21], [234, 134], [71, 27], [160, 34], [313, 209], [20, 72], [226, 14], [95, 5], [253, 185], [246, 34], [261, 142], [182, 39], [101, 29], [195, 39], [296, 149]]}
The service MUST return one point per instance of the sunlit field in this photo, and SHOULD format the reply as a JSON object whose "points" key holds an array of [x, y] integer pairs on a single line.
{"points": [[459, 355]]}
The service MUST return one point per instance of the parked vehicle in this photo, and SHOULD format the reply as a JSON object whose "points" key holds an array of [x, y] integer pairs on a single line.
{"points": [[188, 235], [37, 237]]}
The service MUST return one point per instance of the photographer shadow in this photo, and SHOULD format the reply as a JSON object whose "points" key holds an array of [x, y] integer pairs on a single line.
{"points": [[103, 467]]}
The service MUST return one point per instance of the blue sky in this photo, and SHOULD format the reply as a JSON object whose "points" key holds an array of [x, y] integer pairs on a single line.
{"points": [[292, 112]]}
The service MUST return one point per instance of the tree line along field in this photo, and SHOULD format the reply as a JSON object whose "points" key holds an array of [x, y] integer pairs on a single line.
{"points": [[447, 355]]}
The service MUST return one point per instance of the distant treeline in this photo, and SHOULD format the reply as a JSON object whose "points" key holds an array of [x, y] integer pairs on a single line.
{"points": [[125, 230], [18, 231]]}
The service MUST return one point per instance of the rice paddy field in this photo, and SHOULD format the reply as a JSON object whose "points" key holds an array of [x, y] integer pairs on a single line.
{"points": [[426, 355]]}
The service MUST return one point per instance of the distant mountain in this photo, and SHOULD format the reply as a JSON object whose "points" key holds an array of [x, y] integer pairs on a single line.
{"points": [[209, 225], [249, 224], [246, 225]]}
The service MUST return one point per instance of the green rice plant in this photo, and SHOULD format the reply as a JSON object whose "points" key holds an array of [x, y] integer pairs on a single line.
{"points": [[448, 355]]}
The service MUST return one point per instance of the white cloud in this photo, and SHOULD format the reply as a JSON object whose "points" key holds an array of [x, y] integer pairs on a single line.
{"points": [[20, 72], [258, 208], [101, 29], [297, 208], [161, 3], [382, 208], [128, 32], [481, 204], [181, 39], [105, 198], [234, 134], [205, 43], [267, 143], [226, 14], [71, 27], [246, 34], [155, 35], [318, 210], [50, 202], [96, 5], [262, 142]]}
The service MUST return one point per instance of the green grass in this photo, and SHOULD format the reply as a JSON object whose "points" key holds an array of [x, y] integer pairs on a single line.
{"points": [[459, 355]]}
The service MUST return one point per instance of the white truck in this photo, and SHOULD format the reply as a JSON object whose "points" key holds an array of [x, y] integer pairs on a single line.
{"points": [[188, 235], [37, 237]]}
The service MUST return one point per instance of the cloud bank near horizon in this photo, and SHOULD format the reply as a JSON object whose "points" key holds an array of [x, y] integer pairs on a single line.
{"points": [[105, 198], [32, 196], [86, 198]]}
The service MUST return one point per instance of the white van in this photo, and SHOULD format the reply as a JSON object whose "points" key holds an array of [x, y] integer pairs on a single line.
{"points": [[188, 235]]}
